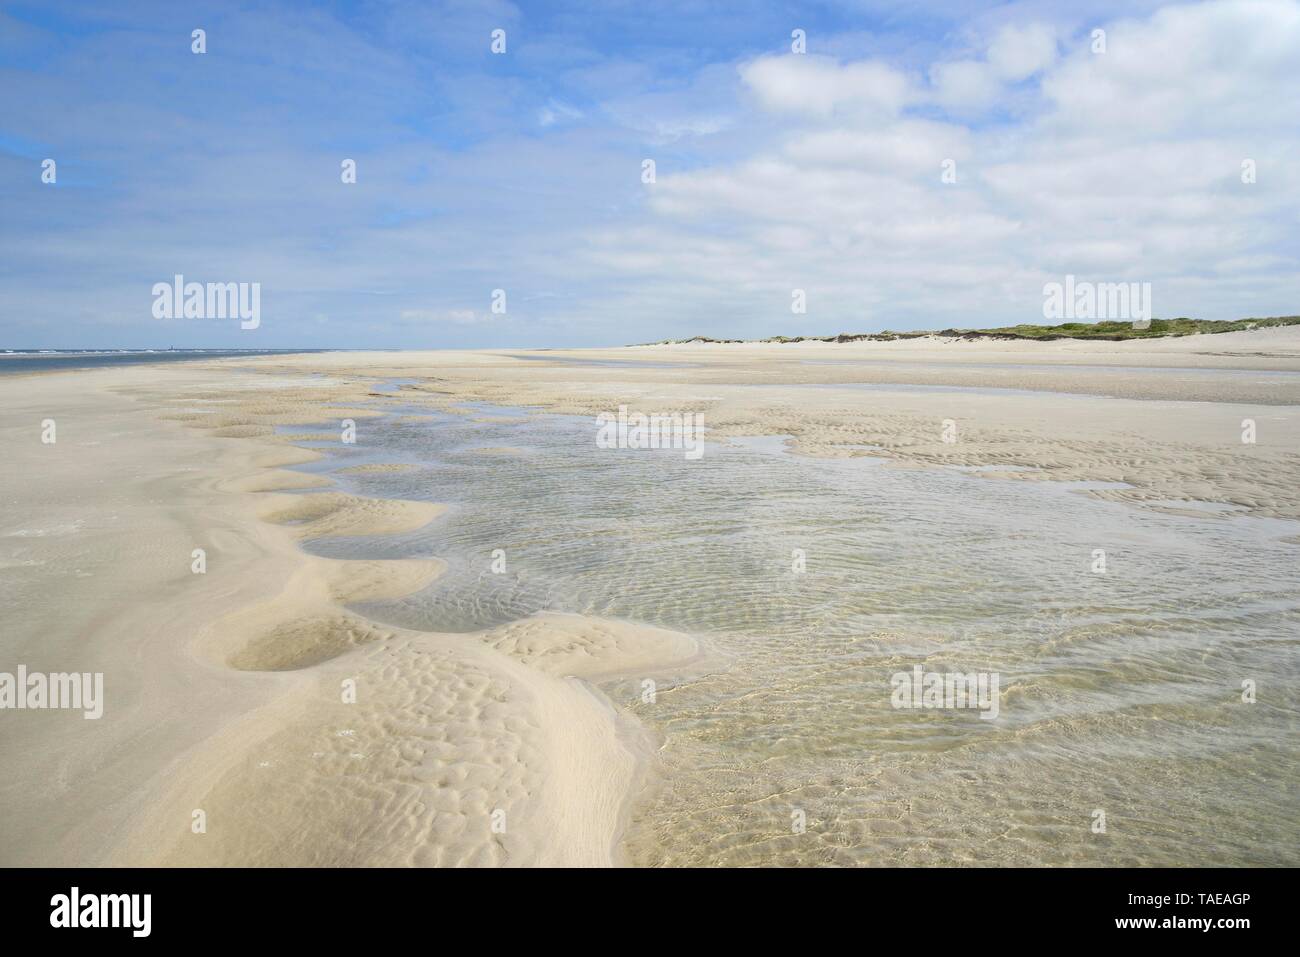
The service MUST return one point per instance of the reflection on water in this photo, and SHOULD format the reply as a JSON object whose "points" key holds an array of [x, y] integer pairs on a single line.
{"points": [[1121, 692]]}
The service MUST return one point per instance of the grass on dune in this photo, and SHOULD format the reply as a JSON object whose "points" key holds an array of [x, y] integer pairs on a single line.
{"points": [[1125, 330], [1108, 330]]}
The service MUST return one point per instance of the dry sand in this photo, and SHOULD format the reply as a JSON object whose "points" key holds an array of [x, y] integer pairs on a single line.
{"points": [[225, 691]]}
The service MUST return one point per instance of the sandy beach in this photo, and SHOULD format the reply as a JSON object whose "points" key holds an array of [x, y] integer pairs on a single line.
{"points": [[225, 689], [253, 715]]}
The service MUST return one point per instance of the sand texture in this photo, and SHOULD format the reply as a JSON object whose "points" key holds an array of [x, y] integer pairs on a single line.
{"points": [[307, 734]]}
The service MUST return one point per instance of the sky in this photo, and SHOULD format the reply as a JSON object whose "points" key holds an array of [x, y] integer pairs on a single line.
{"points": [[524, 171]]}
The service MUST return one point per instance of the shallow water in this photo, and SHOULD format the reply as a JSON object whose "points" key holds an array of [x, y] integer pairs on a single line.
{"points": [[1121, 691]]}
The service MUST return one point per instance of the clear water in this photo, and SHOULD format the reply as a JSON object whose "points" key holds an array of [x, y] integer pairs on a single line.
{"points": [[1121, 692]]}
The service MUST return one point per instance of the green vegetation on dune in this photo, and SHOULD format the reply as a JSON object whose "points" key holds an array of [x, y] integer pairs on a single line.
{"points": [[1159, 328], [1108, 330]]}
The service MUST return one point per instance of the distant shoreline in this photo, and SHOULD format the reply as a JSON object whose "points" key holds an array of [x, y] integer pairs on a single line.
{"points": [[40, 361], [1101, 331]]}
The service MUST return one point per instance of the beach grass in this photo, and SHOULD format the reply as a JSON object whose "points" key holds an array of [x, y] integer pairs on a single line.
{"points": [[1109, 330]]}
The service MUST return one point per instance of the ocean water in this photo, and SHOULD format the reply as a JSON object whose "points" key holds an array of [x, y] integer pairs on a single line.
{"points": [[1122, 736], [63, 360]]}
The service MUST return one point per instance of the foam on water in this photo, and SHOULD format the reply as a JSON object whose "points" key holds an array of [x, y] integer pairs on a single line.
{"points": [[1120, 692]]}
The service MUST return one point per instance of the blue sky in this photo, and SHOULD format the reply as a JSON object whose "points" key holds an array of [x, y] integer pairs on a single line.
{"points": [[523, 171]]}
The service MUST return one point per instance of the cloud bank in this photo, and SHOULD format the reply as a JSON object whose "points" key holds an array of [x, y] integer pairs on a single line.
{"points": [[903, 174]]}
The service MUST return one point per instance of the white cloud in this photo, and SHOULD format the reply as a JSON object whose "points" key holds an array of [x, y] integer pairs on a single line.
{"points": [[1017, 53], [964, 85], [917, 145], [1124, 165], [1217, 67], [820, 86]]}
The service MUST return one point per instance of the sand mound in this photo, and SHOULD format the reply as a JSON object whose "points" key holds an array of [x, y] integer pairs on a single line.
{"points": [[377, 468], [353, 581], [564, 645], [277, 480], [327, 514], [217, 422], [303, 642], [243, 431], [286, 455], [443, 753], [436, 763], [308, 436]]}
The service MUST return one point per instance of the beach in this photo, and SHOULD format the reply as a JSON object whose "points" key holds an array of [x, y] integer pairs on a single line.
{"points": [[240, 547]]}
